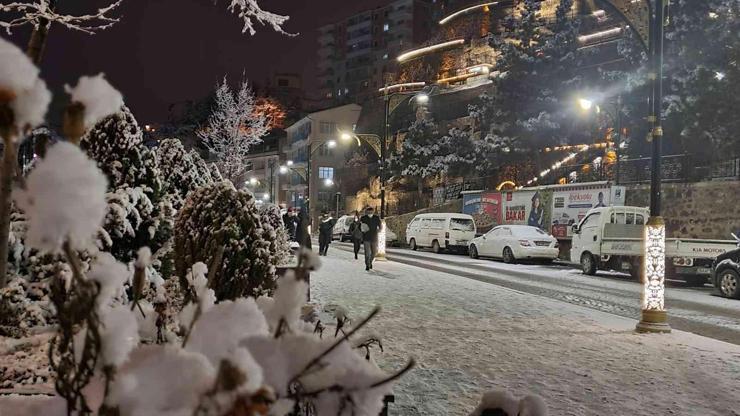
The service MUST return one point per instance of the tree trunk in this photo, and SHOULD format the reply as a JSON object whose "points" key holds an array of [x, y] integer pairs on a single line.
{"points": [[7, 172], [40, 33], [37, 42]]}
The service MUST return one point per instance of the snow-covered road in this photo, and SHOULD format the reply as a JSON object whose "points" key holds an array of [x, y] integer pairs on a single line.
{"points": [[470, 336], [695, 310]]}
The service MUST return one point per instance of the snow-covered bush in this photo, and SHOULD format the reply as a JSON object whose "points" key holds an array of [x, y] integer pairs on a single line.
{"points": [[220, 226], [204, 171], [183, 174], [138, 213], [275, 233]]}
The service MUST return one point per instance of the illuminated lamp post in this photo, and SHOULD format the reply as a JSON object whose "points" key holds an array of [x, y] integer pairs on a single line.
{"points": [[646, 19]]}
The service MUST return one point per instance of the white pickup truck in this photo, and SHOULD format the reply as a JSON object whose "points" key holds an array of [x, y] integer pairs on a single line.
{"points": [[612, 238]]}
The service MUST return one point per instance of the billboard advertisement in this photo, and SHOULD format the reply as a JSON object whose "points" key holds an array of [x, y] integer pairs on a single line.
{"points": [[529, 207], [485, 207], [570, 205]]}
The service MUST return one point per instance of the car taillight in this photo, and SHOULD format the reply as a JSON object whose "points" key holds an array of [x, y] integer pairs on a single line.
{"points": [[556, 245], [524, 243]]}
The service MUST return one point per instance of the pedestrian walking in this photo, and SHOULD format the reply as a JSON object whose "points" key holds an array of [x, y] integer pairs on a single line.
{"points": [[325, 230], [370, 225], [302, 236], [355, 232], [290, 221]]}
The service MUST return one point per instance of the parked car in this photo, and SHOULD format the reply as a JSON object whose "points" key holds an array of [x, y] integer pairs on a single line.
{"points": [[515, 242], [726, 273], [341, 228], [445, 231]]}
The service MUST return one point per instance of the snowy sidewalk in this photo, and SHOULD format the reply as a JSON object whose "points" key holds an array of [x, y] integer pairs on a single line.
{"points": [[469, 336]]}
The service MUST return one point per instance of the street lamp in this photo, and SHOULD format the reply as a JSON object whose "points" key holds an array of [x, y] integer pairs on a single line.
{"points": [[422, 98], [328, 182], [331, 144], [253, 181], [283, 169], [585, 104]]}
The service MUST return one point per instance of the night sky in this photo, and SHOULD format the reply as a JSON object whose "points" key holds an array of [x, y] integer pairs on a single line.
{"points": [[168, 51]]}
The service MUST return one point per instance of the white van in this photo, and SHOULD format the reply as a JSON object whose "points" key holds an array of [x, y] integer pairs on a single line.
{"points": [[341, 228], [444, 231]]}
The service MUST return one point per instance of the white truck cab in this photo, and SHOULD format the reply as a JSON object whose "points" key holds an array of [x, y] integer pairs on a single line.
{"points": [[612, 238]]}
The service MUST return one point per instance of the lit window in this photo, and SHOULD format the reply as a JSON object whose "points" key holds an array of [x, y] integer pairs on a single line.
{"points": [[385, 56], [326, 173], [386, 27]]}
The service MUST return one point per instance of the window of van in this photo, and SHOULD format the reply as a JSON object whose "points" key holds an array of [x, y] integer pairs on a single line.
{"points": [[426, 223], [414, 223], [438, 224], [462, 224]]}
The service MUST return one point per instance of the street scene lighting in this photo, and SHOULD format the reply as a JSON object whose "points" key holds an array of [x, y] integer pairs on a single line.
{"points": [[422, 98], [534, 205], [585, 104]]}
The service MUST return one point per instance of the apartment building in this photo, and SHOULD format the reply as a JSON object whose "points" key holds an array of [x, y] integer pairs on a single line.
{"points": [[355, 53]]}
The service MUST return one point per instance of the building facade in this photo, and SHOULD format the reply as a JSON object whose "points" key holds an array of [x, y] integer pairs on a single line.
{"points": [[313, 154], [355, 54]]}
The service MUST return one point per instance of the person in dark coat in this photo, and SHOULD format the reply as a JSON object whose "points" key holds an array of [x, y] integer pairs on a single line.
{"points": [[325, 230], [355, 232], [290, 221], [370, 226], [302, 236]]}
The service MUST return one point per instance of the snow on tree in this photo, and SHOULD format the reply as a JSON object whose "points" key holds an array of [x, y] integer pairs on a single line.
{"points": [[275, 233], [702, 74], [204, 170], [250, 12], [42, 12], [220, 226], [235, 125], [138, 213], [23, 103], [39, 14], [183, 174], [419, 151]]}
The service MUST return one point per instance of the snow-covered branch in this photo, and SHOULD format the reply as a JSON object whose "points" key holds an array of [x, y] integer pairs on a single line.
{"points": [[251, 12], [39, 11]]}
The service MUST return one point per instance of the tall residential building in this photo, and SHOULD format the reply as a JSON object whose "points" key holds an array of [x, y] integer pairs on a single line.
{"points": [[355, 53], [313, 155]]}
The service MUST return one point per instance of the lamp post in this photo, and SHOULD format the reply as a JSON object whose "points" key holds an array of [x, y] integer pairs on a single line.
{"points": [[422, 98], [654, 317], [587, 104]]}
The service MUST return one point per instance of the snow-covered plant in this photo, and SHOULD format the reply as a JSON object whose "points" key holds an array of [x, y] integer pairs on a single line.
{"points": [[204, 170], [234, 126], [37, 13], [64, 201], [275, 233], [138, 213], [250, 12], [220, 226], [183, 173], [23, 103], [96, 97]]}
